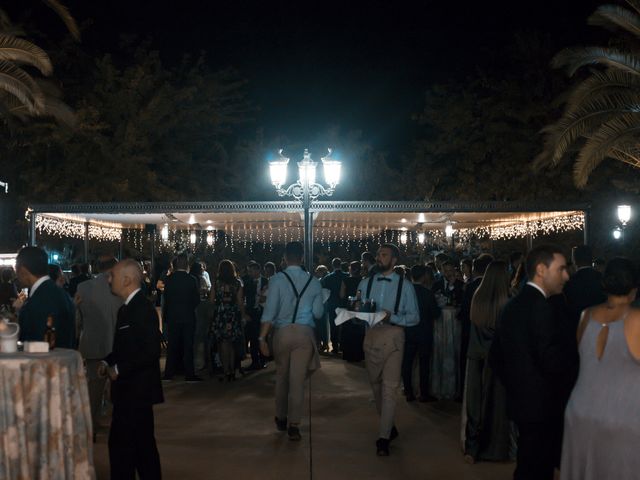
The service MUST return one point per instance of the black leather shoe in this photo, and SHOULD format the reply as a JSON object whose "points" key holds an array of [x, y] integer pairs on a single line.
{"points": [[281, 425], [394, 433], [294, 434], [411, 397], [193, 379], [382, 447]]}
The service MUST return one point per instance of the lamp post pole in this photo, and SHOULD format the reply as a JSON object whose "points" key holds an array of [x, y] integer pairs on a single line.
{"points": [[308, 227]]}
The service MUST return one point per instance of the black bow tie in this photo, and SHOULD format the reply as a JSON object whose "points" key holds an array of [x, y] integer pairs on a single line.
{"points": [[384, 279]]}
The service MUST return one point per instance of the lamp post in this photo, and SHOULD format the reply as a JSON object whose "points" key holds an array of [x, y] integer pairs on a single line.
{"points": [[305, 189], [624, 215]]}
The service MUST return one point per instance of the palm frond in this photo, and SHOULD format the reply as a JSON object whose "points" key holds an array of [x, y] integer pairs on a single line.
{"points": [[601, 84], [22, 51], [574, 58], [20, 84], [635, 4], [615, 133], [615, 16], [572, 126], [628, 154], [65, 15]]}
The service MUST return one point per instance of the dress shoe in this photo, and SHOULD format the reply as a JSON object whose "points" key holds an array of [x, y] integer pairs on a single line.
{"points": [[428, 398], [469, 459], [394, 433], [281, 425], [382, 447], [294, 434], [411, 397], [193, 379], [167, 379]]}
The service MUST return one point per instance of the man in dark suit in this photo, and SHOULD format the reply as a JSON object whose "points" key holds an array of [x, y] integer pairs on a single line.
{"points": [[448, 285], [45, 300], [532, 358], [134, 368], [419, 338], [478, 268], [333, 282], [584, 288], [181, 297], [255, 286]]}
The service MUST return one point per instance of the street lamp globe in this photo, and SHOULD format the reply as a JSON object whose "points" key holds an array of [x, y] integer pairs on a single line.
{"points": [[307, 169], [278, 170], [332, 170], [624, 213], [617, 233]]}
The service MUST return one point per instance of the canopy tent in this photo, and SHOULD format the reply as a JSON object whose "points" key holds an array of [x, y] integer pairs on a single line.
{"points": [[281, 221]]}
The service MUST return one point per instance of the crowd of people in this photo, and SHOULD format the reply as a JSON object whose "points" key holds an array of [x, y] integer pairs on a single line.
{"points": [[548, 349]]}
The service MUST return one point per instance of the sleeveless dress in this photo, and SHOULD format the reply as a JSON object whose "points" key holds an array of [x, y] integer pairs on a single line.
{"points": [[602, 419], [227, 324]]}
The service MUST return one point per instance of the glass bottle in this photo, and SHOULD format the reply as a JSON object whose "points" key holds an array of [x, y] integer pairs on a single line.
{"points": [[50, 334]]}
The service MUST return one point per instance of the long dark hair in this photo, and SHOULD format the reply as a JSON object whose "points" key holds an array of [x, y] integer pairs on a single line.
{"points": [[227, 272], [491, 295]]}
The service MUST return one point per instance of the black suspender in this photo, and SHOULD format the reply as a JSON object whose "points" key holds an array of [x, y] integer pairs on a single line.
{"points": [[398, 295], [298, 295], [398, 292]]}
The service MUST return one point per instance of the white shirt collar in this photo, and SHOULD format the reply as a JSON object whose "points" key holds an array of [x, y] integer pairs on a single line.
{"points": [[131, 295], [37, 283], [537, 287]]}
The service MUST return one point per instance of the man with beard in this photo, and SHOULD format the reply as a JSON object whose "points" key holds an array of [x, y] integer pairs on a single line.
{"points": [[384, 342]]}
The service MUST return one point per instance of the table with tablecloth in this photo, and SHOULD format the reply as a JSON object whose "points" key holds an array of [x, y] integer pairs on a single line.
{"points": [[45, 417], [445, 356]]}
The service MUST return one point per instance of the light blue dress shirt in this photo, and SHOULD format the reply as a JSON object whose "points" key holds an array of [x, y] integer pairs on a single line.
{"points": [[281, 301], [384, 292]]}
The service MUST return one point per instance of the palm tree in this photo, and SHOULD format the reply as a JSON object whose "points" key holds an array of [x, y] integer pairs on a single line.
{"points": [[22, 94], [602, 112]]}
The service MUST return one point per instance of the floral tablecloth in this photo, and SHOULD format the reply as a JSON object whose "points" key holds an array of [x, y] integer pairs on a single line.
{"points": [[45, 417], [446, 352]]}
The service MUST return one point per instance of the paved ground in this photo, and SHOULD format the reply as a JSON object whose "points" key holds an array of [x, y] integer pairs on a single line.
{"points": [[226, 431]]}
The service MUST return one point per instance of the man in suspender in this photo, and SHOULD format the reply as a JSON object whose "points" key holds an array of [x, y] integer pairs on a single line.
{"points": [[294, 300], [384, 342]]}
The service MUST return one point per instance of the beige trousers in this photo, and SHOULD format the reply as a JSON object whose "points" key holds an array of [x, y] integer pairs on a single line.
{"points": [[383, 347], [293, 350]]}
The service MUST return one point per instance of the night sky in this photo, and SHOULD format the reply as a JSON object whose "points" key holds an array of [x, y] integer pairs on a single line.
{"points": [[314, 65]]}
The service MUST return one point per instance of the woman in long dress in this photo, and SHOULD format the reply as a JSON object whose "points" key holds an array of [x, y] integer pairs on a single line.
{"points": [[488, 430], [602, 418], [227, 297]]}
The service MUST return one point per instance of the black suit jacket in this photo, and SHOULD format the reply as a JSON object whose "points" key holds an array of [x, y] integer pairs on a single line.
{"points": [[136, 352], [250, 290], [48, 299], [531, 357], [429, 311], [458, 289], [583, 290], [181, 297], [465, 307]]}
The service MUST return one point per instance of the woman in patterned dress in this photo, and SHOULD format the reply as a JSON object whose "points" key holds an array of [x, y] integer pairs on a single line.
{"points": [[227, 295]]}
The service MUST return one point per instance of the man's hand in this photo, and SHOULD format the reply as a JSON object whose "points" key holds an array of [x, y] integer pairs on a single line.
{"points": [[387, 316], [264, 348], [102, 369]]}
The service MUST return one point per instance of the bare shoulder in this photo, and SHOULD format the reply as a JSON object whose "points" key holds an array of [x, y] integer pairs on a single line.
{"points": [[632, 332]]}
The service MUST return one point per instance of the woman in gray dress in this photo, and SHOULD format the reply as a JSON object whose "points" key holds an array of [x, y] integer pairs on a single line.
{"points": [[602, 418]]}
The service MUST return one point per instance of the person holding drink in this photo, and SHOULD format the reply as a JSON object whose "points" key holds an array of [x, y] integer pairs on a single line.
{"points": [[388, 292]]}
